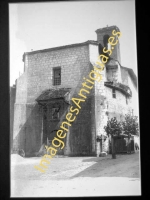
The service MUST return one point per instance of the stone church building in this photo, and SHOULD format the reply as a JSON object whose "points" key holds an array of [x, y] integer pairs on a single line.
{"points": [[42, 97]]}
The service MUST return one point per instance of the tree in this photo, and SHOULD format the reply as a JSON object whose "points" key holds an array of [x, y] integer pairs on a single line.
{"points": [[130, 125], [113, 128]]}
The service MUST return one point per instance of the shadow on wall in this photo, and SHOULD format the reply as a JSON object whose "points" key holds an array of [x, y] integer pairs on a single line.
{"points": [[80, 140], [28, 140]]}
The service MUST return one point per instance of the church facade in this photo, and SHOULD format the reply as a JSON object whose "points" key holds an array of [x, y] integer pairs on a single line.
{"points": [[51, 78]]}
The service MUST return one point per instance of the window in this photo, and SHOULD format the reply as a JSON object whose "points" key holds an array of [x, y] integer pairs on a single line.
{"points": [[113, 93], [55, 113], [100, 49], [105, 41], [57, 76], [112, 74]]}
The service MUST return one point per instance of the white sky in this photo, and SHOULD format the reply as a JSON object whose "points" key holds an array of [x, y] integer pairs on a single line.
{"points": [[44, 25]]}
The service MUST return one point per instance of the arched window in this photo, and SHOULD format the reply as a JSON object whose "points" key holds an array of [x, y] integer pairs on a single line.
{"points": [[105, 41], [100, 48]]}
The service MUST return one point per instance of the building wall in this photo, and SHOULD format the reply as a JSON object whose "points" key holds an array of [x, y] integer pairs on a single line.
{"points": [[38, 76], [100, 111], [76, 63], [124, 76], [21, 89], [113, 71], [108, 31], [112, 74], [72, 61], [106, 106], [116, 106], [12, 103], [100, 108], [134, 99], [81, 137], [126, 79], [19, 108]]}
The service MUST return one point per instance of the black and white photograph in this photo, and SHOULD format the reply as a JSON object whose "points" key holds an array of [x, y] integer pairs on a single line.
{"points": [[74, 102]]}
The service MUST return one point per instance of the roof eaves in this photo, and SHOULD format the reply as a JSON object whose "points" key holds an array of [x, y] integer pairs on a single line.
{"points": [[53, 94], [62, 47]]}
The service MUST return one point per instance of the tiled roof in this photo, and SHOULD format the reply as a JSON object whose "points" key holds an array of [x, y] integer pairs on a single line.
{"points": [[53, 94], [119, 86]]}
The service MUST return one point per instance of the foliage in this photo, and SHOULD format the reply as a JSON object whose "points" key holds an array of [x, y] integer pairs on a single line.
{"points": [[113, 128], [130, 125]]}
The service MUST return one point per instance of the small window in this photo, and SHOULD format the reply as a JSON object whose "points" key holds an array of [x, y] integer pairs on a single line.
{"points": [[55, 113], [57, 76], [113, 93], [100, 49]]}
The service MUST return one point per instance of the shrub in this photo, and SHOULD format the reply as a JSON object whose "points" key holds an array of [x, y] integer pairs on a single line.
{"points": [[113, 128], [130, 125]]}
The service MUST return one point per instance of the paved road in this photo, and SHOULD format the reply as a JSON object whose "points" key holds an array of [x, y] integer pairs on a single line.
{"points": [[76, 176]]}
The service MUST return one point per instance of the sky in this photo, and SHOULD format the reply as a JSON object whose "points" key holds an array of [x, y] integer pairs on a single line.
{"points": [[35, 26]]}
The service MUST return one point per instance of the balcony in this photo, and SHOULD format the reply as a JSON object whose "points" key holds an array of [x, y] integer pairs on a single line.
{"points": [[119, 86]]}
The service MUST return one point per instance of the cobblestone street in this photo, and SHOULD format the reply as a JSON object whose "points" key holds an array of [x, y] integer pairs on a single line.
{"points": [[76, 176]]}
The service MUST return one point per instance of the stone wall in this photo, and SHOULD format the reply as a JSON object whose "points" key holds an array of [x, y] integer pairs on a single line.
{"points": [[12, 103], [124, 76], [40, 69], [116, 106], [100, 112], [19, 108], [134, 100], [76, 62], [108, 31], [38, 76], [112, 74], [19, 121], [21, 88], [81, 137]]}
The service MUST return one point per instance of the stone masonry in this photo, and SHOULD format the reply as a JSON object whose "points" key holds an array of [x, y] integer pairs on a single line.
{"points": [[75, 61]]}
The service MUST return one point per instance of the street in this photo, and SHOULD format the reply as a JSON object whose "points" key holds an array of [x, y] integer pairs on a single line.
{"points": [[76, 176]]}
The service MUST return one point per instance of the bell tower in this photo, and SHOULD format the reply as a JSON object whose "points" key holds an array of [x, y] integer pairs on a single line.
{"points": [[103, 34]]}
